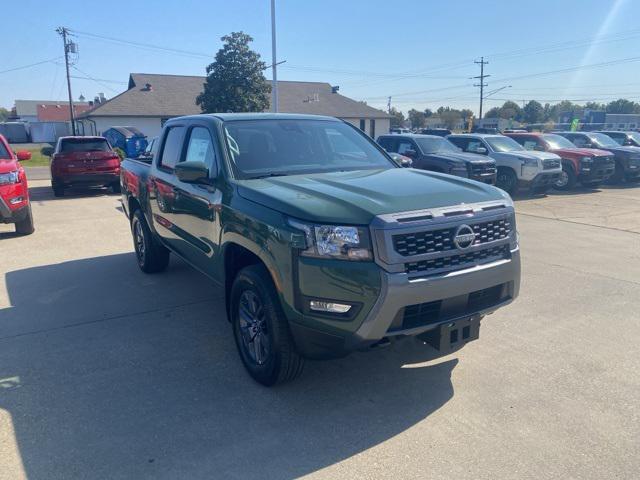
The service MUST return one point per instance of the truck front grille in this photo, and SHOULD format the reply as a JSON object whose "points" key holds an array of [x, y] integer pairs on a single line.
{"points": [[478, 169], [432, 241], [458, 261], [423, 314], [549, 164]]}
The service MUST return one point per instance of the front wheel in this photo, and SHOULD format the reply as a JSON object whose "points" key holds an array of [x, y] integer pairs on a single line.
{"points": [[507, 180], [115, 187], [567, 179], [261, 330], [58, 189], [152, 257], [25, 226]]}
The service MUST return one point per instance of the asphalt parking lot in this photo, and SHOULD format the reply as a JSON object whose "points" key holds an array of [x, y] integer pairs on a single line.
{"points": [[109, 373]]}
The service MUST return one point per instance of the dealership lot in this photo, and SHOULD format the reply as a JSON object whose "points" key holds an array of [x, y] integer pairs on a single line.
{"points": [[108, 373]]}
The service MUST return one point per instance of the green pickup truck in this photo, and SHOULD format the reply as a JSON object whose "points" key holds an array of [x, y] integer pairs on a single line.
{"points": [[322, 244]]}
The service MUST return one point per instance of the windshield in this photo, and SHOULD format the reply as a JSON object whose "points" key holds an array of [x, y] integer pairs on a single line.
{"points": [[635, 136], [504, 144], [556, 141], [435, 144], [84, 145], [602, 140], [260, 148]]}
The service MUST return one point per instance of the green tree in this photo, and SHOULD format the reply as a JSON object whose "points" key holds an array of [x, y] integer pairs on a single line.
{"points": [[595, 106], [492, 113], [533, 112], [397, 118], [451, 118], [466, 113], [428, 113], [4, 114], [510, 111], [416, 118], [235, 80], [622, 105]]}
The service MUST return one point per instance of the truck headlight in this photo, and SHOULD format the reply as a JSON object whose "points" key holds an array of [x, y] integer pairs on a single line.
{"points": [[586, 163], [11, 177], [529, 162], [334, 241]]}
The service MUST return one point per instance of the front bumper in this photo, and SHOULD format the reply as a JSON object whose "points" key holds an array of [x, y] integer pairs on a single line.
{"points": [[632, 169], [7, 215], [598, 172], [544, 179]]}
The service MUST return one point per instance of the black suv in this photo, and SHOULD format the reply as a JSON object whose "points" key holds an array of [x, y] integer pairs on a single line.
{"points": [[430, 152], [625, 139]]}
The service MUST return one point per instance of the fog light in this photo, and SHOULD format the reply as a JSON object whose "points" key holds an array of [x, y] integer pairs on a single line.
{"points": [[15, 200], [329, 307]]}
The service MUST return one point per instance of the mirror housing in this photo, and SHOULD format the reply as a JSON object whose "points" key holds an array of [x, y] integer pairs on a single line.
{"points": [[481, 150], [23, 155], [192, 171], [47, 151], [406, 163]]}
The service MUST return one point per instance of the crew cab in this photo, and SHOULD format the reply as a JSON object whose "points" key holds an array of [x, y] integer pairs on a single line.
{"points": [[627, 158], [84, 161], [14, 192], [624, 139], [588, 166], [320, 242], [437, 154], [517, 167]]}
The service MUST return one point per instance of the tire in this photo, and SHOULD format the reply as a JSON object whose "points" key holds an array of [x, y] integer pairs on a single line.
{"points": [[507, 180], [25, 226], [256, 314], [618, 174], [115, 187], [58, 189], [567, 180], [150, 255]]}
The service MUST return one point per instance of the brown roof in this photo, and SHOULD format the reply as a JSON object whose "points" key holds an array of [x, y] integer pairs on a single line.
{"points": [[175, 95], [58, 112]]}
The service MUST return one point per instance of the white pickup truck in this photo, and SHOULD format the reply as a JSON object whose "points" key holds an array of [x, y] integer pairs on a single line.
{"points": [[517, 167]]}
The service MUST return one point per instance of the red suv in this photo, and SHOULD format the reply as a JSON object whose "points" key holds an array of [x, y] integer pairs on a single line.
{"points": [[589, 166], [14, 192], [84, 161]]}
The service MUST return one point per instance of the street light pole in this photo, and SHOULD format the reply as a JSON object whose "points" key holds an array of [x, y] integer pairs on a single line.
{"points": [[274, 61]]}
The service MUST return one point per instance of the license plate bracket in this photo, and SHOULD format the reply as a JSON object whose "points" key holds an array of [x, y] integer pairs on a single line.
{"points": [[451, 336]]}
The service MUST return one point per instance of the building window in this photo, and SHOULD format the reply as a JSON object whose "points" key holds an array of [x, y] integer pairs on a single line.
{"points": [[621, 125], [362, 124], [372, 128]]}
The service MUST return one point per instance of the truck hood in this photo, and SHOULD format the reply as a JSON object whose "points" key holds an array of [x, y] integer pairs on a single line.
{"points": [[461, 157], [625, 152], [8, 165], [355, 198], [581, 152]]}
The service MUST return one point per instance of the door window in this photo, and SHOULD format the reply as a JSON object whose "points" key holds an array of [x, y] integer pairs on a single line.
{"points": [[528, 144], [474, 145], [405, 145], [388, 144], [172, 147], [579, 141], [200, 147]]}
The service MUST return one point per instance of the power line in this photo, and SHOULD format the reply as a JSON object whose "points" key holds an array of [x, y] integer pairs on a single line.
{"points": [[94, 79], [30, 65]]}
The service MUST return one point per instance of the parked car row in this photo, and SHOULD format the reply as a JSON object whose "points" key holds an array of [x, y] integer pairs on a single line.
{"points": [[520, 159]]}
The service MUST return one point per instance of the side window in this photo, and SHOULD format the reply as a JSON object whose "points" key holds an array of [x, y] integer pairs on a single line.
{"points": [[405, 145], [462, 143], [474, 145], [388, 144], [527, 143], [200, 147], [578, 141], [172, 147]]}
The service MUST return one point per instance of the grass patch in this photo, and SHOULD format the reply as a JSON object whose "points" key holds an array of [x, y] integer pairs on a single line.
{"points": [[37, 159]]}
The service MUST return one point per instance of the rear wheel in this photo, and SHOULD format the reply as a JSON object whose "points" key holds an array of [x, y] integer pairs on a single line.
{"points": [[507, 180], [25, 226], [152, 257], [261, 330], [58, 189], [618, 174], [567, 179]]}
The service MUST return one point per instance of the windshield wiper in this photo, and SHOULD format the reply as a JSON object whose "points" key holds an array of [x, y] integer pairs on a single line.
{"points": [[267, 175]]}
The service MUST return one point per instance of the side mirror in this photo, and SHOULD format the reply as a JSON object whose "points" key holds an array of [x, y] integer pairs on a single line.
{"points": [[192, 171], [410, 153], [47, 151], [406, 163], [481, 150], [23, 155]]}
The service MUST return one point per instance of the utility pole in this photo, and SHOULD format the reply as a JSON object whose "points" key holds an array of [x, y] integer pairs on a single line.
{"points": [[274, 86], [67, 47], [389, 106], [482, 76]]}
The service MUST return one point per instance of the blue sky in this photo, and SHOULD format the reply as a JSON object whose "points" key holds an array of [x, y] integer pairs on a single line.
{"points": [[419, 52]]}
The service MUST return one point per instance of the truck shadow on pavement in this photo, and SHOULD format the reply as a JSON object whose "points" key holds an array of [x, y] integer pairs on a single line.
{"points": [[109, 373], [42, 193]]}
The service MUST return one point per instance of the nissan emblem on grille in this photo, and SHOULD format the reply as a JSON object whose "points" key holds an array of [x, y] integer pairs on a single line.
{"points": [[464, 237]]}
